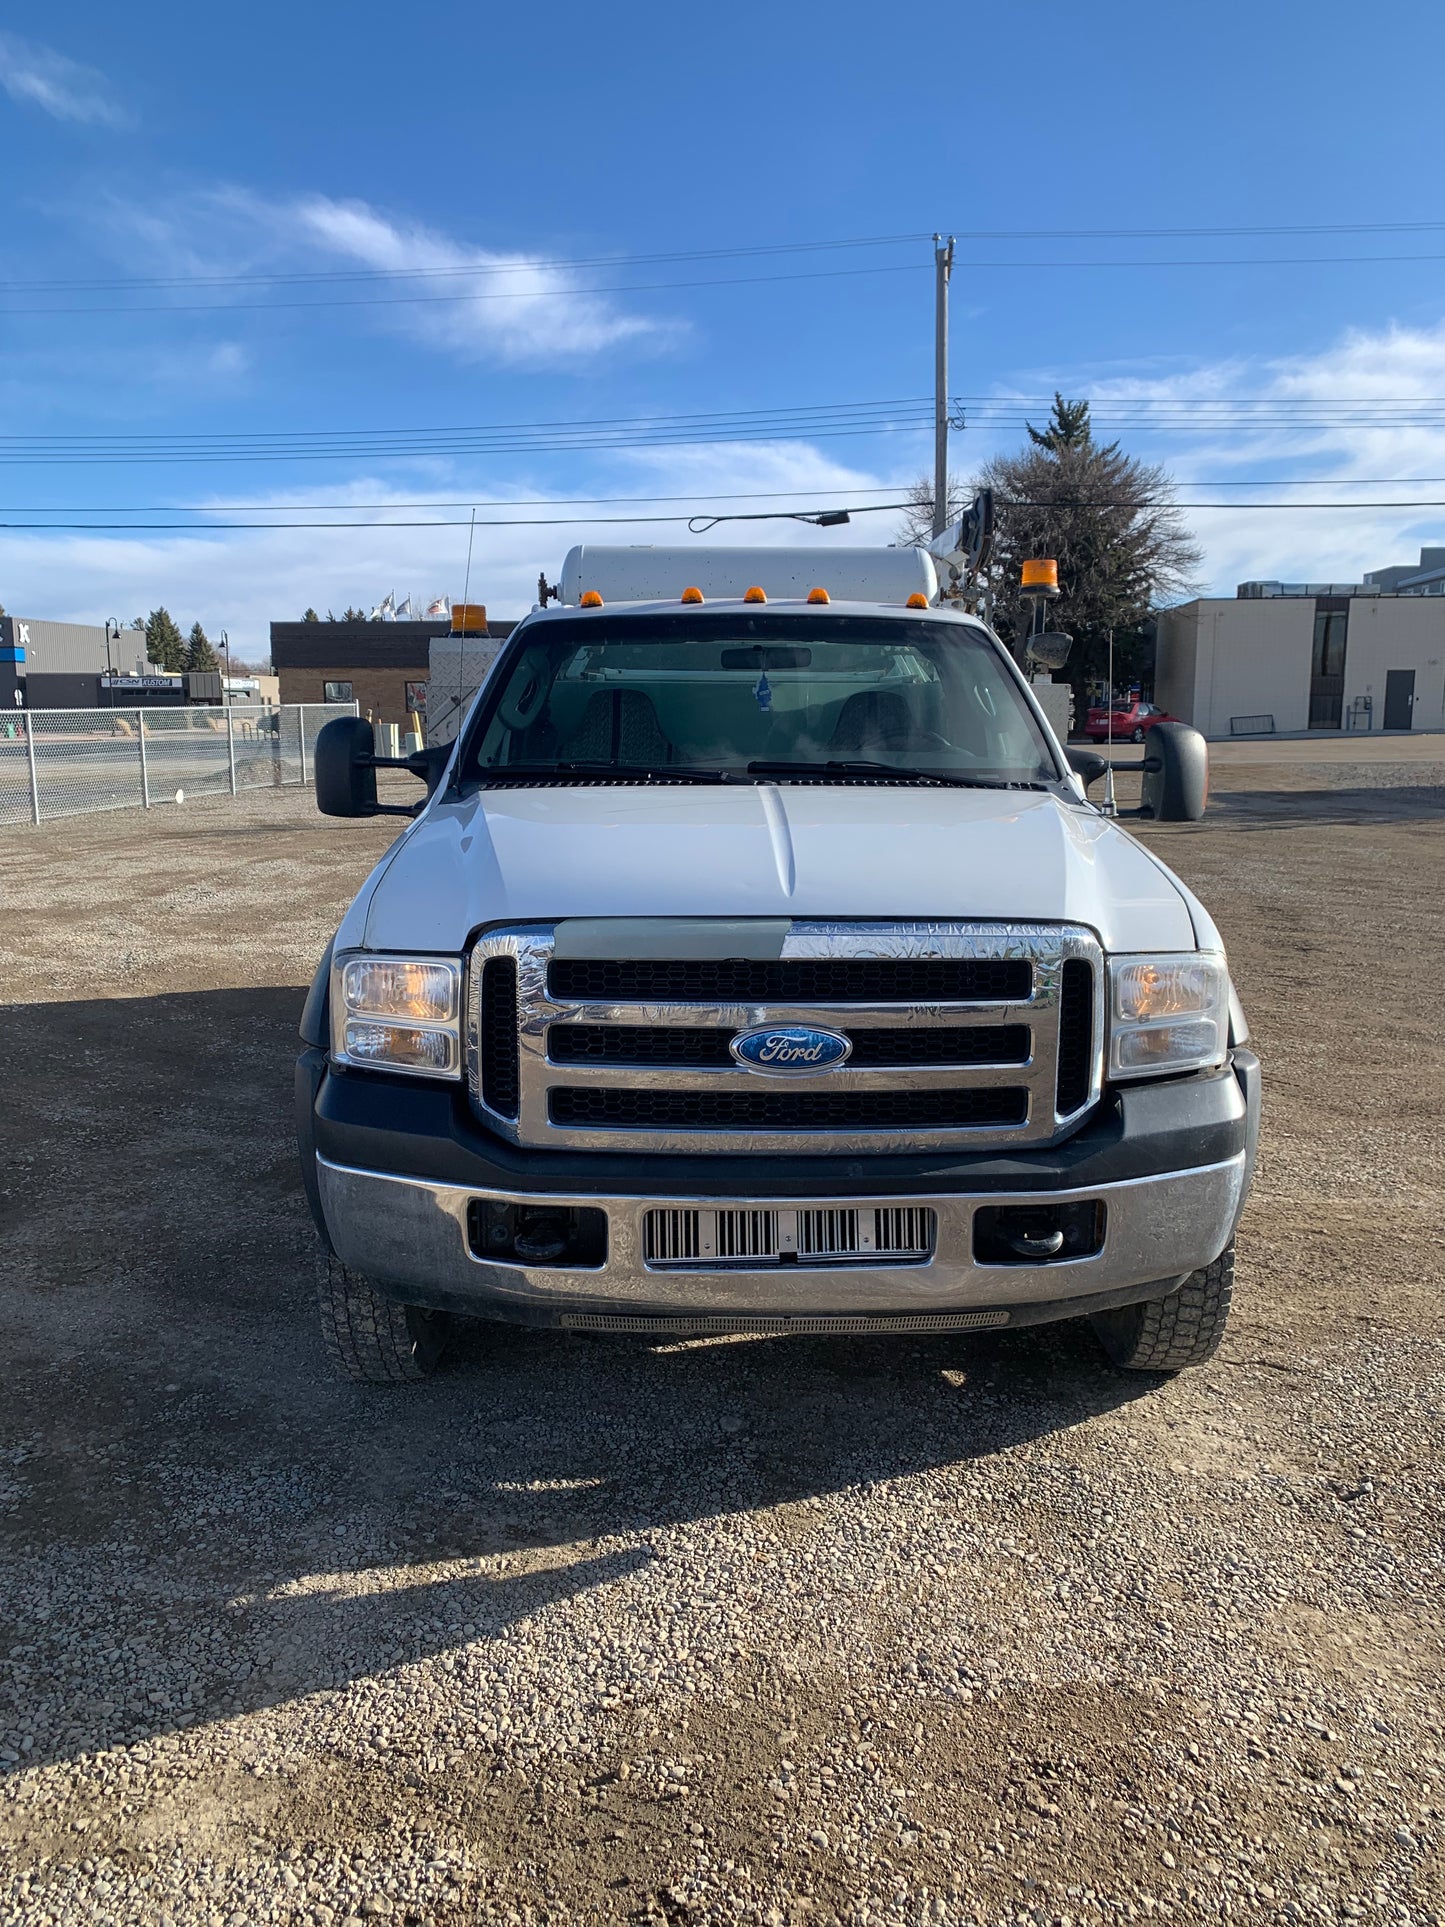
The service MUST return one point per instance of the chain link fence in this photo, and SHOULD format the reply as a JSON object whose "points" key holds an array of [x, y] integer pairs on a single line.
{"points": [[68, 762]]}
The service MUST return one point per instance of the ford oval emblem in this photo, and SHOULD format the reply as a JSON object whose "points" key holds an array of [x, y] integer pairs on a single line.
{"points": [[790, 1047]]}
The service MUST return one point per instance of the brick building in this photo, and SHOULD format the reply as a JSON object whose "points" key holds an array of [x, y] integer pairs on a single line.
{"points": [[383, 667]]}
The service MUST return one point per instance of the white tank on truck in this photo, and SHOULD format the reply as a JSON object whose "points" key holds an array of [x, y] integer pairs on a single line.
{"points": [[757, 961], [645, 574]]}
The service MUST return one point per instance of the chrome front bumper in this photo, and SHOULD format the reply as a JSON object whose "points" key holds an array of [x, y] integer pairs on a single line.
{"points": [[410, 1237]]}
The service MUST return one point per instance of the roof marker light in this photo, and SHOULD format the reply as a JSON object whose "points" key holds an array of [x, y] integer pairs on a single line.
{"points": [[755, 594], [917, 600], [692, 595], [819, 595], [1040, 577], [589, 599]]}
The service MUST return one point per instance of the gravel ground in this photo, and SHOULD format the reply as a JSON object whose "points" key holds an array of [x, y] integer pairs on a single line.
{"points": [[805, 1630]]}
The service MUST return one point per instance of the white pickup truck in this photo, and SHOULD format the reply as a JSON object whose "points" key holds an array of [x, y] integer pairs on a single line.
{"points": [[757, 962]]}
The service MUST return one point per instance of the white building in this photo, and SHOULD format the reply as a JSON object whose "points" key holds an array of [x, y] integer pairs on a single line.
{"points": [[1283, 657]]}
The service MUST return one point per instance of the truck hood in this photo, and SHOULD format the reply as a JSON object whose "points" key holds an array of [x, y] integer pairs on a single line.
{"points": [[854, 851]]}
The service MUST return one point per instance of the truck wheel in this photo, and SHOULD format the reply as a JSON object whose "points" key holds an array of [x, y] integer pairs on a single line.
{"points": [[372, 1339], [1166, 1334]]}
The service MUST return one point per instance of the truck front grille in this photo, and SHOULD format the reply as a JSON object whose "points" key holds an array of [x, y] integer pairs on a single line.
{"points": [[802, 980], [961, 1035], [1076, 1035], [708, 1049], [774, 1110], [747, 1237], [499, 1058]]}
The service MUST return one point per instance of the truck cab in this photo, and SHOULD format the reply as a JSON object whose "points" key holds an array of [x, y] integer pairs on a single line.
{"points": [[757, 962]]}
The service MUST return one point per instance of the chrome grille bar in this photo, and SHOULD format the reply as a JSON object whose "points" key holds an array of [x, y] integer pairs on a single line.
{"points": [[1042, 948]]}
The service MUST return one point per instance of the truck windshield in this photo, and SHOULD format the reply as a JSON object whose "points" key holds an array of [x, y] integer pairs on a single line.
{"points": [[756, 697]]}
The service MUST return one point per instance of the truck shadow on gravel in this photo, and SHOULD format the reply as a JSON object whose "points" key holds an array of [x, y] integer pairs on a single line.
{"points": [[197, 1523], [1407, 803]]}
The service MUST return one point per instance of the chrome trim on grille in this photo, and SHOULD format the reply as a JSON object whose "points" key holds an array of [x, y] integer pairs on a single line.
{"points": [[1045, 946]]}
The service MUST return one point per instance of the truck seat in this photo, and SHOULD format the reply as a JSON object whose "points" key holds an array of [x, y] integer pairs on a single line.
{"points": [[875, 719], [618, 726]]}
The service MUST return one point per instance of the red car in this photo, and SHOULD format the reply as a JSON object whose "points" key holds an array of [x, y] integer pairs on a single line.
{"points": [[1130, 720]]}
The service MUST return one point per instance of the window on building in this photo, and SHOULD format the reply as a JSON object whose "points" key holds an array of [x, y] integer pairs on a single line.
{"points": [[1327, 666], [337, 692]]}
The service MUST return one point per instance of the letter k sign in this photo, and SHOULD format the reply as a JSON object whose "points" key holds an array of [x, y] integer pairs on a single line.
{"points": [[22, 635]]}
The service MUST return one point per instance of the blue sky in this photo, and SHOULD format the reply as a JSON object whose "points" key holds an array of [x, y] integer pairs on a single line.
{"points": [[266, 179]]}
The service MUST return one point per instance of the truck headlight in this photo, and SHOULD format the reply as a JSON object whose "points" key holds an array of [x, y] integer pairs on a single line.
{"points": [[397, 1014], [1167, 1014]]}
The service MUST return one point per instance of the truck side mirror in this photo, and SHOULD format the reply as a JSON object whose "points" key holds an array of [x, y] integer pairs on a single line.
{"points": [[345, 772], [1087, 763], [1049, 650], [1176, 774]]}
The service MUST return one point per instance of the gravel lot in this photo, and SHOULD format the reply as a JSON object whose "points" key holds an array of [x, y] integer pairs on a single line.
{"points": [[804, 1630]]}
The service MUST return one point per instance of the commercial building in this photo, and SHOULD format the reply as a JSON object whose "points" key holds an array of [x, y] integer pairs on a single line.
{"points": [[384, 667], [1291, 657], [75, 665]]}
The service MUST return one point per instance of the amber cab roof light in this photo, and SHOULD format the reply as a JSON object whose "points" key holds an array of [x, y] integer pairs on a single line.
{"points": [[589, 599], [1042, 576], [755, 594], [916, 601], [692, 595], [819, 595]]}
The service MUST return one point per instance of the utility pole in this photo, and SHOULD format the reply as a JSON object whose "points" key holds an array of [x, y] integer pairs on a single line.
{"points": [[943, 269]]}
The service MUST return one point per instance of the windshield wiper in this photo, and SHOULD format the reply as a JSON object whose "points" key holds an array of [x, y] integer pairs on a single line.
{"points": [[900, 771], [683, 773]]}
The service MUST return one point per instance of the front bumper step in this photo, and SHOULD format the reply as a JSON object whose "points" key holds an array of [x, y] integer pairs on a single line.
{"points": [[410, 1237]]}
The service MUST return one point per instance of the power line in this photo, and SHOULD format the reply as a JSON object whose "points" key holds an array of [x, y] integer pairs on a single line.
{"points": [[601, 501], [524, 264], [563, 291], [494, 502], [613, 521], [567, 291]]}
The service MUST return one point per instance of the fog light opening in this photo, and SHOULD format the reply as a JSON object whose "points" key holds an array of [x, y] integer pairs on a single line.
{"points": [[538, 1235], [1037, 1234]]}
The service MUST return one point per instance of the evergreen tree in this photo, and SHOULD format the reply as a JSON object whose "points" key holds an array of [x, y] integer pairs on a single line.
{"points": [[311, 616], [165, 645], [1122, 547], [355, 615], [199, 653], [1068, 427], [1109, 521]]}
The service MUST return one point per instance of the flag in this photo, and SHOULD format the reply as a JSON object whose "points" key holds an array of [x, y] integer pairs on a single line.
{"points": [[441, 607], [402, 609]]}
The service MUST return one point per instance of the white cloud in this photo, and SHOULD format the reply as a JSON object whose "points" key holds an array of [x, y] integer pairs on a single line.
{"points": [[477, 304], [516, 311], [43, 78], [242, 581], [1389, 365]]}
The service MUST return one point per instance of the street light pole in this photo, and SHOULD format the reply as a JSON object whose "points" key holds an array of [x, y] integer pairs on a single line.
{"points": [[942, 269]]}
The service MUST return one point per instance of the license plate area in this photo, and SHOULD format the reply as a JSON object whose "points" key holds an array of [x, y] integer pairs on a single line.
{"points": [[754, 1237]]}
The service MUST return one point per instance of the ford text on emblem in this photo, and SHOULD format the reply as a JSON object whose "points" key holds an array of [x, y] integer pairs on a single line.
{"points": [[790, 1047]]}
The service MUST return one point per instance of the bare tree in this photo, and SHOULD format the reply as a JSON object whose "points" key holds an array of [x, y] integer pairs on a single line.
{"points": [[917, 526]]}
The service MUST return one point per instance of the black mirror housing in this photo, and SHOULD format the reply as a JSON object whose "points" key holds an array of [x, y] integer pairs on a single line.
{"points": [[1176, 774], [1087, 763], [1050, 650], [344, 772]]}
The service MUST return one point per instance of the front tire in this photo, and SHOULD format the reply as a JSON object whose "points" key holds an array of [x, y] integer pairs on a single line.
{"points": [[373, 1340], [1169, 1334], [1138, 735]]}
